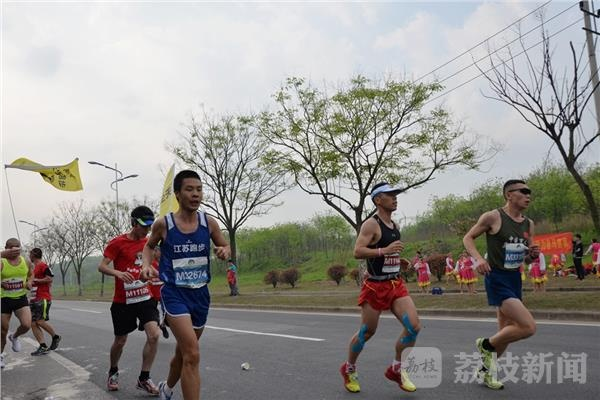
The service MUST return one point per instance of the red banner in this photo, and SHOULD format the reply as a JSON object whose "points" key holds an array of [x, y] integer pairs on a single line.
{"points": [[555, 243]]}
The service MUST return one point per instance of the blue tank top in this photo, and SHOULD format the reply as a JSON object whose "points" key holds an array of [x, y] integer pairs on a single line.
{"points": [[185, 257]]}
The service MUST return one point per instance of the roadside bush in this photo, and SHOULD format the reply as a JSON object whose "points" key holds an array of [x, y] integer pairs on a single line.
{"points": [[290, 276], [337, 273], [272, 278], [355, 275]]}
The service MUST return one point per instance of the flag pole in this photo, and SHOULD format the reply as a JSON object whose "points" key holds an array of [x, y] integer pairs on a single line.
{"points": [[11, 204]]}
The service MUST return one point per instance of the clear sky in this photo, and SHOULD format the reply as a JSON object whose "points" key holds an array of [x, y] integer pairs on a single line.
{"points": [[115, 82]]}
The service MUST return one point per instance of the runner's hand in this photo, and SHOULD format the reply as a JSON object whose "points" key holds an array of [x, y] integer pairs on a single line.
{"points": [[125, 277], [483, 267], [222, 252], [394, 247], [148, 273]]}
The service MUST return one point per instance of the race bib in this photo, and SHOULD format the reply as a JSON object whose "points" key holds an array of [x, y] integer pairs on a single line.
{"points": [[136, 292], [33, 292], [391, 263], [191, 272], [514, 255], [12, 285]]}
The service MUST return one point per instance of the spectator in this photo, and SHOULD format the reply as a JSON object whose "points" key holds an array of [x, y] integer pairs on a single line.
{"points": [[577, 257]]}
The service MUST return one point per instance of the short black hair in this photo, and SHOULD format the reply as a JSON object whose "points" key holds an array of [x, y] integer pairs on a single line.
{"points": [[36, 252], [181, 175], [578, 236], [511, 182]]}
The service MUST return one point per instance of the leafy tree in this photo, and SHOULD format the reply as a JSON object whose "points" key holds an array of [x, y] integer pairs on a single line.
{"points": [[338, 146], [55, 249], [228, 153]]}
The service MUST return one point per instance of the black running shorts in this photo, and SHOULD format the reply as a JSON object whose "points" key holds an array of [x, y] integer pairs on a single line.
{"points": [[10, 305], [125, 316]]}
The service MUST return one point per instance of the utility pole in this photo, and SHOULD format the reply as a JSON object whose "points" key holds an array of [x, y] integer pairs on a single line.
{"points": [[584, 6]]}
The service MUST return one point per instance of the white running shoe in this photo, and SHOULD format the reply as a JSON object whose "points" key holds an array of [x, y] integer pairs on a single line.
{"points": [[162, 391], [15, 343]]}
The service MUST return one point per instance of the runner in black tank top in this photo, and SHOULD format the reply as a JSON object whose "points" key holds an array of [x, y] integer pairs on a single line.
{"points": [[379, 244], [509, 237]]}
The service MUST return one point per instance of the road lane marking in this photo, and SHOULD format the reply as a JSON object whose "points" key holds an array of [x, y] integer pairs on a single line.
{"points": [[387, 316], [88, 311], [310, 339], [75, 369]]}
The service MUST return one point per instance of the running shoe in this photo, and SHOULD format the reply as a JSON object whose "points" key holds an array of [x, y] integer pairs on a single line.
{"points": [[486, 356], [164, 330], [40, 351], [112, 383], [2, 365], [401, 377], [162, 391], [489, 380], [350, 379], [15, 343], [55, 341], [148, 386]]}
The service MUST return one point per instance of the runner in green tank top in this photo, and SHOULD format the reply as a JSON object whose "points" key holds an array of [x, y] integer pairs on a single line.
{"points": [[16, 277], [509, 238]]}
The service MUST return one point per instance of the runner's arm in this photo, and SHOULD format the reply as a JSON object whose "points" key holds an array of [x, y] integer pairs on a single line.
{"points": [[107, 270], [157, 234], [222, 249], [534, 250], [483, 225]]}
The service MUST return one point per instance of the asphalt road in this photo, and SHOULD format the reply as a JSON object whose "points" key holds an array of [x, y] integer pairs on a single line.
{"points": [[297, 356]]}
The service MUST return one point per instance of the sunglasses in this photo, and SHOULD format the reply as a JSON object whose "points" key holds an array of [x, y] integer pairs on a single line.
{"points": [[522, 190]]}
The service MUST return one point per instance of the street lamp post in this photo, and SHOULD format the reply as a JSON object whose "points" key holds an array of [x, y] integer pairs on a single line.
{"points": [[118, 178], [37, 228]]}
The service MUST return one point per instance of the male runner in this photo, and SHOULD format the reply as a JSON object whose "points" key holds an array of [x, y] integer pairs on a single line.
{"points": [[132, 300], [184, 268], [41, 302], [379, 243], [509, 238]]}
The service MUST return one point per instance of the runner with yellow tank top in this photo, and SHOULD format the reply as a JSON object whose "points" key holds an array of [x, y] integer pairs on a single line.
{"points": [[15, 277]]}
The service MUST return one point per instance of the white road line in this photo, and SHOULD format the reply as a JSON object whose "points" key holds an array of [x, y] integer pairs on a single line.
{"points": [[75, 369], [436, 318], [265, 334], [89, 311]]}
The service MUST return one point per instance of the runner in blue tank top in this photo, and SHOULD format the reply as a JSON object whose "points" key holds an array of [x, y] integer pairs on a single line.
{"points": [[509, 237], [184, 268]]}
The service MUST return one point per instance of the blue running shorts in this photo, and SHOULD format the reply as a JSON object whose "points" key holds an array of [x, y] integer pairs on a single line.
{"points": [[179, 301], [501, 285]]}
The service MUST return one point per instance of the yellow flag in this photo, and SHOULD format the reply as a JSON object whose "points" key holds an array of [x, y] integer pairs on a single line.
{"points": [[62, 177], [168, 201]]}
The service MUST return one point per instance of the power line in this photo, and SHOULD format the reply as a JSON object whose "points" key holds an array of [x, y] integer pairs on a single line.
{"points": [[483, 41], [506, 45], [517, 55]]}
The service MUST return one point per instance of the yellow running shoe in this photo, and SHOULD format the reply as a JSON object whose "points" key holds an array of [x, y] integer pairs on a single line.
{"points": [[489, 380], [486, 356], [400, 377], [350, 379]]}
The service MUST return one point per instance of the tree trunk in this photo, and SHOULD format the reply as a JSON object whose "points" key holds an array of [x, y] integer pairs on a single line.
{"points": [[589, 197], [232, 245], [79, 290], [62, 274]]}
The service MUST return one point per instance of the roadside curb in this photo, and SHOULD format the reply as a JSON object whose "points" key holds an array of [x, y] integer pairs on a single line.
{"points": [[430, 312]]}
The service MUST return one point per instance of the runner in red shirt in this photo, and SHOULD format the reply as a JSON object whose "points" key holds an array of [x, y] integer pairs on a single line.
{"points": [[40, 303], [132, 300]]}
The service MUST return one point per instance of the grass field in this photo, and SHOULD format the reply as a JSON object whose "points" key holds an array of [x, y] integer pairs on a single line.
{"points": [[321, 293]]}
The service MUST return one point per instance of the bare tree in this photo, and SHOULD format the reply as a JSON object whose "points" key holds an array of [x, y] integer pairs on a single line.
{"points": [[228, 153], [78, 225], [55, 249], [552, 102], [338, 146]]}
